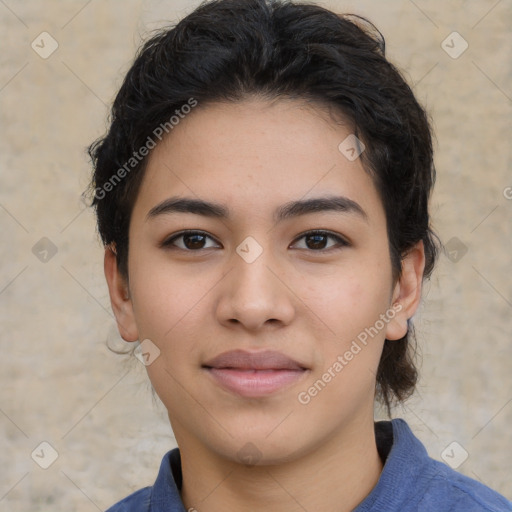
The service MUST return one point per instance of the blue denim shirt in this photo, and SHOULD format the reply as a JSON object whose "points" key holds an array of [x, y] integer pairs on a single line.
{"points": [[410, 482]]}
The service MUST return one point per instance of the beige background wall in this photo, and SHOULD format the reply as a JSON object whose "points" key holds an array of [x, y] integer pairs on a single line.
{"points": [[60, 384]]}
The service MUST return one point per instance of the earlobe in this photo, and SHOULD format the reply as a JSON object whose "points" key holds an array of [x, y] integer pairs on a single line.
{"points": [[407, 292], [120, 298]]}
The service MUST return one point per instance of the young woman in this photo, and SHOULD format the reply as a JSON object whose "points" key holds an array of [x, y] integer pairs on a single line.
{"points": [[262, 194]]}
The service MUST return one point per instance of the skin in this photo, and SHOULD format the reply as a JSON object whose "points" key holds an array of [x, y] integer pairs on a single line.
{"points": [[306, 300]]}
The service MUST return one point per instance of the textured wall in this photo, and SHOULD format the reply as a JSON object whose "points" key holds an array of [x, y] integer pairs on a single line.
{"points": [[62, 386]]}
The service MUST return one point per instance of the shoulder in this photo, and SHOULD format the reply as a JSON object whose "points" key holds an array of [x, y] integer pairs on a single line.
{"points": [[441, 488], [412, 481], [138, 501], [459, 493]]}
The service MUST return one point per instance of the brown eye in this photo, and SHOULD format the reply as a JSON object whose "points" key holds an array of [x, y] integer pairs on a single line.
{"points": [[317, 241], [189, 241], [194, 241]]}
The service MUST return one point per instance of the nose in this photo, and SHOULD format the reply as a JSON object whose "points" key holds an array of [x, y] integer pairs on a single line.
{"points": [[255, 294]]}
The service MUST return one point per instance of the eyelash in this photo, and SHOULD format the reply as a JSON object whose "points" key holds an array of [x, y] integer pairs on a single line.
{"points": [[341, 242]]}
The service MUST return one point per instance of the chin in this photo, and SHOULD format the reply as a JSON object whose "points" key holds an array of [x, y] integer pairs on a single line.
{"points": [[259, 448]]}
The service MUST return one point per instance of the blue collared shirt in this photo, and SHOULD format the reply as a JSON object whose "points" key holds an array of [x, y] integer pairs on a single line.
{"points": [[410, 481]]}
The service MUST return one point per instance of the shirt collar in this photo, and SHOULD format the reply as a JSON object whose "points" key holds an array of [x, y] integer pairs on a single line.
{"points": [[406, 462], [165, 493]]}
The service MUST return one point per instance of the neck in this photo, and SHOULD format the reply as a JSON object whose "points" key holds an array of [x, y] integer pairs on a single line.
{"points": [[336, 476]]}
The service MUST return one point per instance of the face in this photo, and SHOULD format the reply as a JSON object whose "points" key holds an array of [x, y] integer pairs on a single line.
{"points": [[270, 317]]}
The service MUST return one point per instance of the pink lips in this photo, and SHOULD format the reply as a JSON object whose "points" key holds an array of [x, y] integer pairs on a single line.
{"points": [[254, 374]]}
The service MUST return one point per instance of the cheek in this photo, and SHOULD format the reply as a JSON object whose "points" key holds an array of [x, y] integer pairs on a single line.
{"points": [[170, 307], [168, 311], [165, 296], [350, 304], [349, 299], [350, 347]]}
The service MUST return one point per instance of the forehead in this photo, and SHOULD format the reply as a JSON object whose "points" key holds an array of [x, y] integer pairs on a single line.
{"points": [[255, 155]]}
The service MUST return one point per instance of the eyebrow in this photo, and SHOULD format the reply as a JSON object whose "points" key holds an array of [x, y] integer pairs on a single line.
{"points": [[285, 211]]}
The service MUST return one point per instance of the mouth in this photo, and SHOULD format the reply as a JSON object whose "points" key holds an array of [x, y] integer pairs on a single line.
{"points": [[254, 374]]}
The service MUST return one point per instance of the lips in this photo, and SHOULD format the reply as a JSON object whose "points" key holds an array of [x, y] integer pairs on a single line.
{"points": [[254, 374], [242, 360]]}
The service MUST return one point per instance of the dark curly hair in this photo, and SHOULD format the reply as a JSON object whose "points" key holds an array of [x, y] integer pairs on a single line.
{"points": [[227, 50]]}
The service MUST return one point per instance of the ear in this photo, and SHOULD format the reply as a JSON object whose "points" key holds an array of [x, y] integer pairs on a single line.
{"points": [[120, 298], [407, 292]]}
